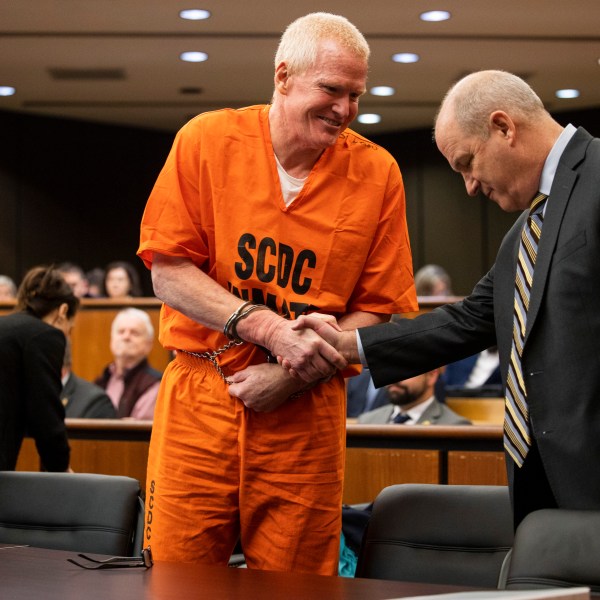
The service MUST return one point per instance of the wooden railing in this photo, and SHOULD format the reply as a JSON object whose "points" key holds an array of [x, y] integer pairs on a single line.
{"points": [[480, 411], [377, 455]]}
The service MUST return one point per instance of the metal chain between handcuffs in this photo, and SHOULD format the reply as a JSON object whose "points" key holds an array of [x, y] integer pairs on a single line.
{"points": [[212, 357]]}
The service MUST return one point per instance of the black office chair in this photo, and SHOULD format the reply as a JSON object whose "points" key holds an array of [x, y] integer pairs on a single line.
{"points": [[447, 534], [556, 548], [102, 514]]}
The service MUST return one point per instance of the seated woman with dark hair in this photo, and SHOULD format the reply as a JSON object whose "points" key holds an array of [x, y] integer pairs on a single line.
{"points": [[122, 281], [32, 347]]}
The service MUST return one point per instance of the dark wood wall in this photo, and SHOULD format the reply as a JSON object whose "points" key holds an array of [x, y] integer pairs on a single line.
{"points": [[72, 190]]}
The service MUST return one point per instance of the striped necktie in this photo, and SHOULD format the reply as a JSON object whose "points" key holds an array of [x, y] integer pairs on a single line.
{"points": [[517, 438]]}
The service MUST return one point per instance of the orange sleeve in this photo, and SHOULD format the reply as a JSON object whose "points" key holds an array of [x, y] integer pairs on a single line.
{"points": [[171, 224], [386, 285]]}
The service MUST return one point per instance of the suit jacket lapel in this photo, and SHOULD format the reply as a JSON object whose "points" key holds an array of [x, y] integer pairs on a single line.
{"points": [[562, 186], [431, 414]]}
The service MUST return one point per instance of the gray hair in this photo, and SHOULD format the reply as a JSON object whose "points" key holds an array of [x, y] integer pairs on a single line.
{"points": [[138, 314], [474, 97], [9, 283], [426, 278], [299, 44]]}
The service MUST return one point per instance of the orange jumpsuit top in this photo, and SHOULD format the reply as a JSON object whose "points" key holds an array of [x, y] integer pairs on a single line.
{"points": [[341, 246]]}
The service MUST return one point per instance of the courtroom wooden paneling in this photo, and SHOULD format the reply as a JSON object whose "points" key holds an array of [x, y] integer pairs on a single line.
{"points": [[28, 457], [476, 468], [479, 411], [96, 456], [377, 456], [369, 470], [91, 335]]}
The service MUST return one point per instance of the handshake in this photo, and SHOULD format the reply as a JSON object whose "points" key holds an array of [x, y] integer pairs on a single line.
{"points": [[311, 348], [317, 347]]}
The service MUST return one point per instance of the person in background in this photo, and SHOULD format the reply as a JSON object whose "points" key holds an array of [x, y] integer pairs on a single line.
{"points": [[413, 402], [130, 382], [433, 280], [82, 399], [8, 289], [494, 131], [95, 279], [32, 348], [75, 277], [121, 281], [477, 375], [259, 215], [362, 395]]}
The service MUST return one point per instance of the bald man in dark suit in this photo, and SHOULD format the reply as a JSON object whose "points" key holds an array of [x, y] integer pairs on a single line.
{"points": [[494, 131]]}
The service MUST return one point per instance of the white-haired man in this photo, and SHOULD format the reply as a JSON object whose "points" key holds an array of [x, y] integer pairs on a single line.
{"points": [[130, 382], [276, 207]]}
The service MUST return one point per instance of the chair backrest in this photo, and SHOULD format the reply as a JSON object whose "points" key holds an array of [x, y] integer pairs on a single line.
{"points": [[82, 512], [556, 548], [448, 534]]}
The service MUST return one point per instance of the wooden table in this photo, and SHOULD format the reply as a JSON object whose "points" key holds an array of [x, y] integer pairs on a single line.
{"points": [[34, 573]]}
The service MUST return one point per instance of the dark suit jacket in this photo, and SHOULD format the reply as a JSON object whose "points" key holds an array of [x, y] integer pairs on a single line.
{"points": [[561, 356], [435, 414], [85, 400]]}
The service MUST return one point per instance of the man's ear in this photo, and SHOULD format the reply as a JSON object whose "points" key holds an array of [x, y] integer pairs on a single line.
{"points": [[501, 123], [281, 77]]}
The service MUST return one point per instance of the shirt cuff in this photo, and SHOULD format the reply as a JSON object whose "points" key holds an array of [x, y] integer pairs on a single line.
{"points": [[361, 354]]}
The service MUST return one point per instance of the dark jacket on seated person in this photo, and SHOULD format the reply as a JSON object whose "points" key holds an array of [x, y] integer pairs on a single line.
{"points": [[85, 400], [361, 395]]}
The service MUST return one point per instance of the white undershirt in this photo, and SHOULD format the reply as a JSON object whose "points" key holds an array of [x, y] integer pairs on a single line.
{"points": [[290, 186]]}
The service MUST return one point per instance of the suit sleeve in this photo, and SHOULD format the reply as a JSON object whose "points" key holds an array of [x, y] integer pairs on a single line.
{"points": [[43, 358], [396, 351]]}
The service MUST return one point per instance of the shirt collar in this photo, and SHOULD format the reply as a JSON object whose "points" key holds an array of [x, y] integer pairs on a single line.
{"points": [[551, 163], [415, 412]]}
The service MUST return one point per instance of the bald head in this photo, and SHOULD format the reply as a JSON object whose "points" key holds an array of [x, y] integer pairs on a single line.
{"points": [[471, 101], [494, 130]]}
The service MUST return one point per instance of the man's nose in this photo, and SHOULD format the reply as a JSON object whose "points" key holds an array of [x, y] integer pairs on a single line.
{"points": [[471, 184], [342, 107]]}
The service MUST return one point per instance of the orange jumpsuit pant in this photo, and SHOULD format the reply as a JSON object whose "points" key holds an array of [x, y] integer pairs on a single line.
{"points": [[219, 472]]}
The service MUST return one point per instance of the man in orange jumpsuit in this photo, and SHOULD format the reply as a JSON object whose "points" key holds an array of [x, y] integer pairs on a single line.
{"points": [[276, 207]]}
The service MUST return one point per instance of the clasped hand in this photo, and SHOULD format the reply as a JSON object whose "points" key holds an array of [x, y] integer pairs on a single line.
{"points": [[325, 358]]}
